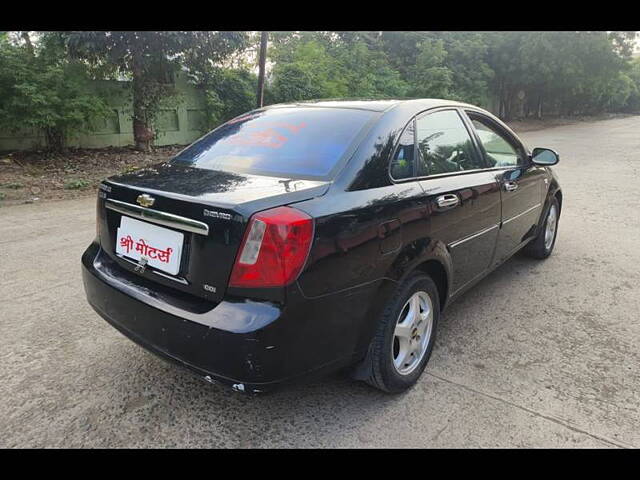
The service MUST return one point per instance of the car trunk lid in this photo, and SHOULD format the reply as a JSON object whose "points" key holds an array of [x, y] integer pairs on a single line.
{"points": [[205, 212]]}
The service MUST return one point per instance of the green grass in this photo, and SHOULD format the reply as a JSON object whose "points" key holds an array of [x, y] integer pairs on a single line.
{"points": [[76, 184], [130, 168]]}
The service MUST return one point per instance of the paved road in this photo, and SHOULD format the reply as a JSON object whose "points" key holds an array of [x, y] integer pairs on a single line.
{"points": [[539, 355]]}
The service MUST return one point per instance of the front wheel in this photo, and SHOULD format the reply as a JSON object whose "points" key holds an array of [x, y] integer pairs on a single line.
{"points": [[542, 246], [405, 336]]}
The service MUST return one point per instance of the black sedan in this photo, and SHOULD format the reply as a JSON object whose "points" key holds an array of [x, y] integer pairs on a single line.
{"points": [[303, 238]]}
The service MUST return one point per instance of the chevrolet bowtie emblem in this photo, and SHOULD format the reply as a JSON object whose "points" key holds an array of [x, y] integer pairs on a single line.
{"points": [[145, 200]]}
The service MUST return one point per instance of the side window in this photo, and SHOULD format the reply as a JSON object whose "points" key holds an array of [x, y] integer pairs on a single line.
{"points": [[500, 153], [402, 163], [444, 144]]}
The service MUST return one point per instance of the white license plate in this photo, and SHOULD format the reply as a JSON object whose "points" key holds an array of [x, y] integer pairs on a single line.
{"points": [[161, 248]]}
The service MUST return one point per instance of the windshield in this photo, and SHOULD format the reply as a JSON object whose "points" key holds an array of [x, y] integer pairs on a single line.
{"points": [[292, 142]]}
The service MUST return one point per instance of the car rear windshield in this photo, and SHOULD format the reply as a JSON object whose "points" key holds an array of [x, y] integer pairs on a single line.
{"points": [[293, 142]]}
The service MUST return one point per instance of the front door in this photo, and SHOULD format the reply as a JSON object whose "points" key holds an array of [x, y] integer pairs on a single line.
{"points": [[521, 185]]}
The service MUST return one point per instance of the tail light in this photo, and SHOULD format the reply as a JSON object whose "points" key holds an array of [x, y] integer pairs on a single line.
{"points": [[274, 248]]}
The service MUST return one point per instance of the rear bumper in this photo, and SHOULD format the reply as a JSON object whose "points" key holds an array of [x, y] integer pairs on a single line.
{"points": [[248, 345]]}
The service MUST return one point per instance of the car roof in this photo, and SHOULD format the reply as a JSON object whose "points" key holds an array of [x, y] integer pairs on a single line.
{"points": [[373, 105]]}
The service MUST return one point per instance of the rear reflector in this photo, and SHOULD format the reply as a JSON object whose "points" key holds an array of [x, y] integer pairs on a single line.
{"points": [[274, 248]]}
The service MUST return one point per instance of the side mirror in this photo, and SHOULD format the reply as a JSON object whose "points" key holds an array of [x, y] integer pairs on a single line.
{"points": [[544, 157]]}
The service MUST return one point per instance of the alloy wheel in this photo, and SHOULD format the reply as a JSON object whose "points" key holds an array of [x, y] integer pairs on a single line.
{"points": [[412, 333]]}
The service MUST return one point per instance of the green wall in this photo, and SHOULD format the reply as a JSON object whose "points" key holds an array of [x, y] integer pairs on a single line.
{"points": [[179, 124]]}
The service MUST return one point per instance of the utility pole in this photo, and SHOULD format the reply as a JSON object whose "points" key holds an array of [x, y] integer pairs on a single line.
{"points": [[261, 63]]}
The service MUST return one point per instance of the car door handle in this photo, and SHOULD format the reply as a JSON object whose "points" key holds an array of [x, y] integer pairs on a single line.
{"points": [[449, 200], [510, 186]]}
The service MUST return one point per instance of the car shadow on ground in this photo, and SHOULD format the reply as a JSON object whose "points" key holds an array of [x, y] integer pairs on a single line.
{"points": [[166, 398]]}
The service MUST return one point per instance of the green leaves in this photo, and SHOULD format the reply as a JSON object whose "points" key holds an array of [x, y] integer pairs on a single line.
{"points": [[150, 58], [327, 66], [560, 72], [46, 81], [513, 73], [229, 93], [46, 91], [76, 184]]}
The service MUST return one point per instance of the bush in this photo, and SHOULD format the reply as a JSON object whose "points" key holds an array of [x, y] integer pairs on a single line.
{"points": [[43, 90], [76, 184]]}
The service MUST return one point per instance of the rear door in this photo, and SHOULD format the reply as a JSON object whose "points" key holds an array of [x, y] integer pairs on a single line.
{"points": [[521, 183], [463, 198]]}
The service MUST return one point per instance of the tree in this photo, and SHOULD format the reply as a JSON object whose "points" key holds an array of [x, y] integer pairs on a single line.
{"points": [[429, 77], [623, 43], [41, 89], [262, 60], [305, 70], [149, 59], [633, 102], [466, 58], [588, 63], [528, 73], [525, 73], [229, 92], [368, 71], [454, 64], [331, 65]]}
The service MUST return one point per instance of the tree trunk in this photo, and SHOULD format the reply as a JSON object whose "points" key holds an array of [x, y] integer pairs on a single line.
{"points": [[539, 112], [501, 100], [55, 139], [507, 105], [27, 40], [261, 65], [142, 132]]}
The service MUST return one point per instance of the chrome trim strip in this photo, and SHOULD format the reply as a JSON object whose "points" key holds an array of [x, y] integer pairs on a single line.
{"points": [[472, 236], [175, 279], [521, 214], [456, 173], [156, 216]]}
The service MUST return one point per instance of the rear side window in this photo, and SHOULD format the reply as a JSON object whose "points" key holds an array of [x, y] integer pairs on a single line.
{"points": [[444, 144], [290, 142], [402, 163]]}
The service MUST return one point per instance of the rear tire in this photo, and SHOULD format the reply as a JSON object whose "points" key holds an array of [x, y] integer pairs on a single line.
{"points": [[542, 245], [404, 339]]}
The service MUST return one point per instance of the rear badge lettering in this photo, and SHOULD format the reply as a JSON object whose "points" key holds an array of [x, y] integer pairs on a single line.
{"points": [[215, 214], [209, 288]]}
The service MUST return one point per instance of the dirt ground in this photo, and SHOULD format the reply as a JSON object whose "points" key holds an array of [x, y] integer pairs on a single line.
{"points": [[29, 177]]}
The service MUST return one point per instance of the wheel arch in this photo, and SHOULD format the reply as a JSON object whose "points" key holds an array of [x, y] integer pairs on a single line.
{"points": [[434, 261], [436, 270], [424, 256], [558, 196]]}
